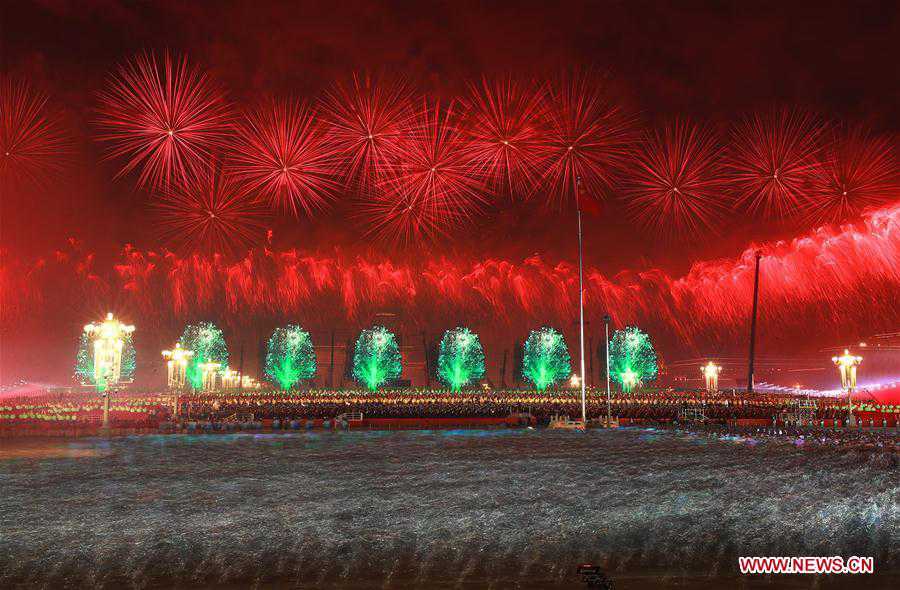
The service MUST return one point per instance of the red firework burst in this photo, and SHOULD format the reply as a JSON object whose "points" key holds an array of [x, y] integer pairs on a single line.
{"points": [[211, 215], [587, 138], [164, 119], [33, 142], [504, 130], [367, 119], [281, 153], [676, 182], [434, 185], [773, 159], [859, 171]]}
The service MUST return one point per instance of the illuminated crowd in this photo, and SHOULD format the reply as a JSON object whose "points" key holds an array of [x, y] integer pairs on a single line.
{"points": [[650, 405], [149, 410]]}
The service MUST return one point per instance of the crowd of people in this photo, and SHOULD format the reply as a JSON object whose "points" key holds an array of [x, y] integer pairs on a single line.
{"points": [[659, 405], [149, 410], [50, 412]]}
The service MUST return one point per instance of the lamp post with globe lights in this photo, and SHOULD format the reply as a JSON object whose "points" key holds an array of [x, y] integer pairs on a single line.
{"points": [[847, 364]]}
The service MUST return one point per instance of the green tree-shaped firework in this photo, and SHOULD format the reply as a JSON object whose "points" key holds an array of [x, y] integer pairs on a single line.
{"points": [[207, 343], [376, 358], [290, 356], [84, 362], [546, 358], [460, 358], [632, 358]]}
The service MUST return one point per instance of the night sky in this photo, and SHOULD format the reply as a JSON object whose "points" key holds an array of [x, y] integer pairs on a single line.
{"points": [[712, 62]]}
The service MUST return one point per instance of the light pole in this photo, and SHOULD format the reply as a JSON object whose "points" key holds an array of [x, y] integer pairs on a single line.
{"points": [[176, 371], [606, 320], [757, 257], [847, 364]]}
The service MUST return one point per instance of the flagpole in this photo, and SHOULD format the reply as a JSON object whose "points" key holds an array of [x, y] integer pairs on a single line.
{"points": [[606, 320], [581, 302]]}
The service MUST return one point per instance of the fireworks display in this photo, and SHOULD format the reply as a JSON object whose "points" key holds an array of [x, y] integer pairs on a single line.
{"points": [[859, 171], [587, 138], [290, 356], [379, 161], [843, 277], [282, 154], [211, 214], [368, 120], [434, 185], [413, 169], [504, 134], [775, 156], [460, 358], [676, 185], [163, 118], [545, 360], [632, 358], [207, 343], [33, 140], [376, 358]]}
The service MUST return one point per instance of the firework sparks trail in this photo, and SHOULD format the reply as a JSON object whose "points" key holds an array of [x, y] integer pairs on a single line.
{"points": [[33, 142], [773, 160], [587, 137], [367, 120], [503, 126], [281, 154], [210, 214], [820, 285], [676, 185], [164, 118], [435, 185], [859, 172]]}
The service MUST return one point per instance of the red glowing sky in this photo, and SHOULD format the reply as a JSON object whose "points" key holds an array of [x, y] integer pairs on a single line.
{"points": [[710, 64], [713, 63]]}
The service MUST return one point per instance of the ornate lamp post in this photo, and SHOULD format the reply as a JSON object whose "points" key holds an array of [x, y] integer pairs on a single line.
{"points": [[108, 338], [846, 365], [209, 372], [177, 361]]}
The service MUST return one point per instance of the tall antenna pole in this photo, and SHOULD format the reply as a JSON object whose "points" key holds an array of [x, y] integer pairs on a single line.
{"points": [[581, 303], [753, 325]]}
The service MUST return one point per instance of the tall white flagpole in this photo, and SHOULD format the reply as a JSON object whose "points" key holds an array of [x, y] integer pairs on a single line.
{"points": [[581, 303]]}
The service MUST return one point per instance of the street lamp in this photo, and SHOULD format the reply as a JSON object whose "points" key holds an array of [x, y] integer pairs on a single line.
{"points": [[711, 374], [177, 361], [846, 365], [629, 380], [209, 372]]}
